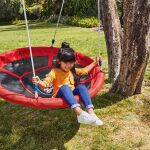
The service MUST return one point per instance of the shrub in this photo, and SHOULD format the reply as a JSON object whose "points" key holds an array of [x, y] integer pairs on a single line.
{"points": [[9, 10], [82, 22], [35, 12]]}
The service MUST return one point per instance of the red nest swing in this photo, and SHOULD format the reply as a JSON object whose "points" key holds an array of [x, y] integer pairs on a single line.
{"points": [[16, 74]]}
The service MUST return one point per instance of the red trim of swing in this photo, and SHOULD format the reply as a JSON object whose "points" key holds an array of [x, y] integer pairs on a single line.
{"points": [[97, 77]]}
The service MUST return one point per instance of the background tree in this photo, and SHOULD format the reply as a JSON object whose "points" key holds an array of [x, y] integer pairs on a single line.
{"points": [[113, 36], [9, 10], [134, 45]]}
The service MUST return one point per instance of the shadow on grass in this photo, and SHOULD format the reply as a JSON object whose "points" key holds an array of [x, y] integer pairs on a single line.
{"points": [[27, 128], [32, 25], [106, 99]]}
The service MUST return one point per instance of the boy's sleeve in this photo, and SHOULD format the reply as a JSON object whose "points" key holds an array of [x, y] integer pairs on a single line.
{"points": [[49, 78], [81, 71]]}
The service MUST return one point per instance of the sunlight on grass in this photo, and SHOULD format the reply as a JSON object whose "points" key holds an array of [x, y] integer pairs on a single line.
{"points": [[81, 39]]}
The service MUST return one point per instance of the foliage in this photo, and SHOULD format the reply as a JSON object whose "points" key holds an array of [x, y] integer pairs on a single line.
{"points": [[33, 2], [80, 8], [35, 12], [37, 9], [83, 8], [75, 21], [82, 22], [120, 10], [9, 10]]}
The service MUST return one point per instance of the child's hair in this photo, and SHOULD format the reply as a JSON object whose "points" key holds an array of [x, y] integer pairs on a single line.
{"points": [[66, 53]]}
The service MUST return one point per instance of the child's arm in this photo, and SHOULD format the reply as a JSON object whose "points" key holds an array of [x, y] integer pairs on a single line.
{"points": [[40, 83], [85, 70], [46, 82], [93, 64]]}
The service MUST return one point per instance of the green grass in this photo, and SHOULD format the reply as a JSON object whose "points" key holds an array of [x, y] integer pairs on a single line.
{"points": [[81, 39], [126, 121]]}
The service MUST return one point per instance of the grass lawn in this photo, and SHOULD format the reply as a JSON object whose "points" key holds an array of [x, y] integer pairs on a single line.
{"points": [[126, 121]]}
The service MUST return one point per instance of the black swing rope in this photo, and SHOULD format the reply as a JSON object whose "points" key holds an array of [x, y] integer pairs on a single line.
{"points": [[53, 39]]}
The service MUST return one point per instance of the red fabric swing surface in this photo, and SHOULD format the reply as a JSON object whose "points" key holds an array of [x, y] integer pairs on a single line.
{"points": [[16, 74]]}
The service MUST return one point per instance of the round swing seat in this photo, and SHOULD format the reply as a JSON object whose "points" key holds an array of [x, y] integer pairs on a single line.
{"points": [[16, 77]]}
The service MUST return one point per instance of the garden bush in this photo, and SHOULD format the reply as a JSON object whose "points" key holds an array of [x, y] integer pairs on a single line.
{"points": [[82, 22], [35, 12]]}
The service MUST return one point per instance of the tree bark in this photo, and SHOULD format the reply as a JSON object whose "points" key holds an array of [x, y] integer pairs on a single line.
{"points": [[113, 36], [135, 48]]}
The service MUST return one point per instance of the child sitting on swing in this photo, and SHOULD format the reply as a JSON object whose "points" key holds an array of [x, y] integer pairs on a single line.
{"points": [[63, 83]]}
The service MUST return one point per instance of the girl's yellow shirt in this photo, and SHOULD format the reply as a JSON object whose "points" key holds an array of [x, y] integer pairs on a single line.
{"points": [[58, 78]]}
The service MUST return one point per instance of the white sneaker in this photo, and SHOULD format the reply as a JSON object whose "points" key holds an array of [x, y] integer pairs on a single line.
{"points": [[97, 122], [85, 118]]}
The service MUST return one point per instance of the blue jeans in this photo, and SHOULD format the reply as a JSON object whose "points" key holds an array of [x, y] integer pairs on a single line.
{"points": [[68, 95]]}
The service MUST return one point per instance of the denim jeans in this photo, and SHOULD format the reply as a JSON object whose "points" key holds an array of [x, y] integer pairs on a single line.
{"points": [[68, 95]]}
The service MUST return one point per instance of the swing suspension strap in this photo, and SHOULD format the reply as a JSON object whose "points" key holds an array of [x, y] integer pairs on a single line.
{"points": [[29, 45], [53, 39], [99, 24]]}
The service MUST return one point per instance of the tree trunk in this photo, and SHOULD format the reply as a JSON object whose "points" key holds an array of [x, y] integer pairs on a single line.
{"points": [[113, 36], [135, 48]]}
